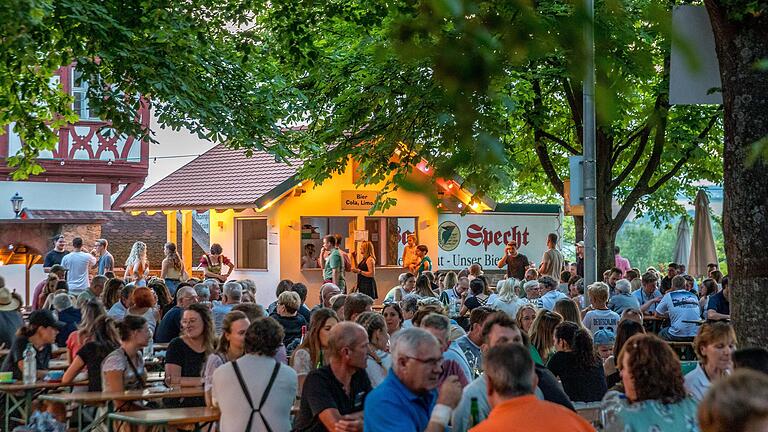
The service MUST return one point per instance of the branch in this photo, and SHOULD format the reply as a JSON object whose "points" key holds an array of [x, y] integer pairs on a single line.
{"points": [[628, 142], [645, 134], [540, 148], [560, 141], [686, 156], [576, 114]]}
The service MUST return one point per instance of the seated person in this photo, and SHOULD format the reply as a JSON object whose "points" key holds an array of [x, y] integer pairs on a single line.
{"points": [[40, 332], [333, 396], [123, 368], [719, 305], [186, 354], [576, 364], [682, 309], [598, 316], [287, 315], [622, 299], [256, 381]]}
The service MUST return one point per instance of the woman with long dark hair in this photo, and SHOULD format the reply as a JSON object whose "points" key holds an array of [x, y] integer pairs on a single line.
{"points": [[230, 347], [123, 368], [576, 364], [187, 354], [172, 269], [310, 354], [625, 330], [102, 340], [90, 312]]}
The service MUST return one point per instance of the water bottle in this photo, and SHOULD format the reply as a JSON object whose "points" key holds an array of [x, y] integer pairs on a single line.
{"points": [[30, 365]]}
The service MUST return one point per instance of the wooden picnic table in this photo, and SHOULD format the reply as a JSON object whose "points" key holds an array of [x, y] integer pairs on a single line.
{"points": [[19, 396], [54, 353], [197, 416], [63, 364], [110, 398]]}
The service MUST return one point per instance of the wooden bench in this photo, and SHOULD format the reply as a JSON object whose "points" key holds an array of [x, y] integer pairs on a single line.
{"points": [[684, 350]]}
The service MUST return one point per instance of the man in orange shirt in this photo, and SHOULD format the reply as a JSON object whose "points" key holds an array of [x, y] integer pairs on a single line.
{"points": [[511, 380]]}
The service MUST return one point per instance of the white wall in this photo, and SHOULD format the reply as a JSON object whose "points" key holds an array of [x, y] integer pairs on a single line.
{"points": [[50, 196], [14, 278]]}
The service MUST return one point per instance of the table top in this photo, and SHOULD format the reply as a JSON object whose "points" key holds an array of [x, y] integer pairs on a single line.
{"points": [[128, 395], [63, 364], [55, 352], [168, 416], [47, 385]]}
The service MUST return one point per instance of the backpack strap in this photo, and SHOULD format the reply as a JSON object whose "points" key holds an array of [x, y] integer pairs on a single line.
{"points": [[264, 396]]}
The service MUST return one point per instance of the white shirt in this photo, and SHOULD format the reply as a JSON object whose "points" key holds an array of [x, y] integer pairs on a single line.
{"points": [[697, 383], [78, 264], [681, 306], [599, 319], [256, 370]]}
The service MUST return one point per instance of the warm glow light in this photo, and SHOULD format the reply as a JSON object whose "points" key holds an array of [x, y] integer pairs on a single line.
{"points": [[474, 205], [450, 185], [1, 263], [151, 212], [135, 213], [460, 205], [300, 184]]}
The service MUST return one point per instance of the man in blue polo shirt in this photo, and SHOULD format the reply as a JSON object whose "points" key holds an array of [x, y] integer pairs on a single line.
{"points": [[408, 399], [648, 295]]}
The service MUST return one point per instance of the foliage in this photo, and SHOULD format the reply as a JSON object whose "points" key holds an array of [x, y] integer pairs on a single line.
{"points": [[196, 61]]}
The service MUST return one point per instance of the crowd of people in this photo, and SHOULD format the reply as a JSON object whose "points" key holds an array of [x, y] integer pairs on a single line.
{"points": [[446, 349]]}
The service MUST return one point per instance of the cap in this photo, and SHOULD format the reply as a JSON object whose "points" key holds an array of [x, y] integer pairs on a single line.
{"points": [[580, 243], [45, 318], [58, 236], [604, 337]]}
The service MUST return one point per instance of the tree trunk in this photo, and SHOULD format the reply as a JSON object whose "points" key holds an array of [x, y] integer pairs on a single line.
{"points": [[740, 45], [578, 222]]}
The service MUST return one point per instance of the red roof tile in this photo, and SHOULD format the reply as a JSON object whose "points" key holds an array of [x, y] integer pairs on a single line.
{"points": [[219, 178]]}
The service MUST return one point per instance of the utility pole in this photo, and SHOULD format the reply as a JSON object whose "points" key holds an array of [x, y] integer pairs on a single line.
{"points": [[590, 176]]}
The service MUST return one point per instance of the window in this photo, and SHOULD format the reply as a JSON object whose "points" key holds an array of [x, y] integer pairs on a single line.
{"points": [[251, 243], [80, 94], [389, 236], [313, 229]]}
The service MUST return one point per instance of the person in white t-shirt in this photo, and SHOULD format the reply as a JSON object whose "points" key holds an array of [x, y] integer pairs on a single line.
{"points": [[78, 263], [682, 309], [599, 317]]}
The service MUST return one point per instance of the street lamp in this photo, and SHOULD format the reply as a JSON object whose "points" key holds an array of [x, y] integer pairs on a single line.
{"points": [[16, 201]]}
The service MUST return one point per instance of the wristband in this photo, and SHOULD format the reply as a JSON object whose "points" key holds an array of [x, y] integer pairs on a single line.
{"points": [[441, 414]]}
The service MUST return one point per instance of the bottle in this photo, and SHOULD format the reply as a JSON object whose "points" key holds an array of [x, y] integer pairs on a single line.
{"points": [[474, 412], [303, 334], [30, 365]]}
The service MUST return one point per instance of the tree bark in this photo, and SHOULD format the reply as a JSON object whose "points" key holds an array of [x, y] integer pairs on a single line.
{"points": [[740, 44], [578, 222]]}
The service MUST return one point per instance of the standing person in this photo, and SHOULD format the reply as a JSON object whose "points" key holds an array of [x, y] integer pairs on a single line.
{"points": [[408, 399], [40, 331], [213, 263], [424, 262], [333, 396], [552, 260], [333, 269], [714, 345], [123, 368], [312, 353], [255, 392], [682, 309], [77, 264], [10, 317], [576, 364], [186, 354], [55, 255], [515, 262], [409, 257], [511, 381], [105, 260], [172, 270], [654, 396], [580, 259], [170, 326], [137, 265], [308, 260], [620, 262], [102, 340], [230, 347], [366, 270]]}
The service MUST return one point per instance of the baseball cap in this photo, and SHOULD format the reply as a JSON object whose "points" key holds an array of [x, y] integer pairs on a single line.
{"points": [[45, 318], [604, 337], [58, 236], [580, 243]]}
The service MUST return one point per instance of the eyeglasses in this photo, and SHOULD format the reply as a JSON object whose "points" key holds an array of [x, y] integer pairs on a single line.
{"points": [[431, 362]]}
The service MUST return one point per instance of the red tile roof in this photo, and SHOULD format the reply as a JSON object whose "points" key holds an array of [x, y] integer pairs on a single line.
{"points": [[219, 178]]}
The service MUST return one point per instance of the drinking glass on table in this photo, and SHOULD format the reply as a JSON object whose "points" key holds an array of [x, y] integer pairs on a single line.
{"points": [[173, 382]]}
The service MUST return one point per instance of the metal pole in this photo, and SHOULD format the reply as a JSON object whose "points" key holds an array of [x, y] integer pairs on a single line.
{"points": [[590, 190]]}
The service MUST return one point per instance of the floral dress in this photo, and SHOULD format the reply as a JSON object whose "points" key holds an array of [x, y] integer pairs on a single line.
{"points": [[619, 415]]}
